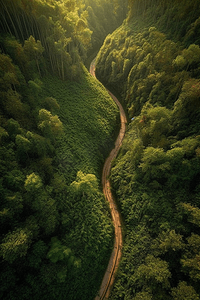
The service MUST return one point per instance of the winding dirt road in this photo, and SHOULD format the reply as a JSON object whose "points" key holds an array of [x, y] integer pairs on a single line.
{"points": [[109, 276]]}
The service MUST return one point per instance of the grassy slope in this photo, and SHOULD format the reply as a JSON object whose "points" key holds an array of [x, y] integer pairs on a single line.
{"points": [[89, 117]]}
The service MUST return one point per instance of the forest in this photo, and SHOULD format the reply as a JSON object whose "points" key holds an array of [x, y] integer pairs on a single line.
{"points": [[57, 125], [152, 61]]}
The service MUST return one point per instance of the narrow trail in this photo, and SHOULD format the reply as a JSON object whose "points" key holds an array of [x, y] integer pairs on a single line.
{"points": [[113, 264]]}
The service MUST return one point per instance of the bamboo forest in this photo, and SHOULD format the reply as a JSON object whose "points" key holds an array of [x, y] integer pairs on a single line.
{"points": [[58, 125]]}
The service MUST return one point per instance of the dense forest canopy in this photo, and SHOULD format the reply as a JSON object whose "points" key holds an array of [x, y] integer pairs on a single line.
{"points": [[57, 125], [63, 31], [153, 62]]}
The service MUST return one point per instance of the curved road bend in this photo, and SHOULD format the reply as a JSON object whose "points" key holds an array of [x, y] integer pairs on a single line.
{"points": [[108, 278]]}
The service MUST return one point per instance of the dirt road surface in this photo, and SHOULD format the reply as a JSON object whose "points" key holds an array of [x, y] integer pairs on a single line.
{"points": [[113, 264]]}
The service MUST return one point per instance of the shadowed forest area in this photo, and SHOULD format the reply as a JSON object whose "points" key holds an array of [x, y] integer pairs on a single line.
{"points": [[153, 61], [57, 125]]}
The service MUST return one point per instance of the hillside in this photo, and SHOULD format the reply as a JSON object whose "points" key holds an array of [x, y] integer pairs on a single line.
{"points": [[57, 125], [153, 61]]}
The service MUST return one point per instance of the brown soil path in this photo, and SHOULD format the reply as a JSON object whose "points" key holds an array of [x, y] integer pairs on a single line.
{"points": [[109, 276]]}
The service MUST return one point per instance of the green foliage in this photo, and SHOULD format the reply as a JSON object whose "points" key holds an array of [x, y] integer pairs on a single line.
{"points": [[191, 256], [54, 138], [22, 143], [152, 61], [38, 253], [180, 62], [84, 184], [57, 35], [185, 292], [103, 17], [32, 183], [143, 296], [155, 62], [194, 213], [155, 271], [57, 251], [15, 244], [52, 130], [51, 158], [40, 146], [13, 128], [51, 126], [51, 104], [154, 164], [168, 240]]}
